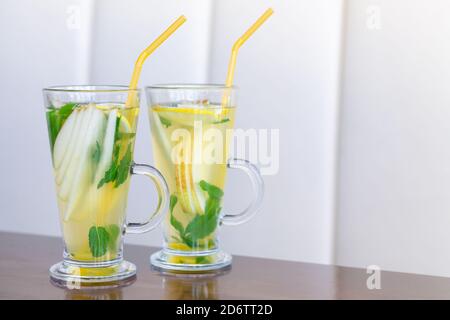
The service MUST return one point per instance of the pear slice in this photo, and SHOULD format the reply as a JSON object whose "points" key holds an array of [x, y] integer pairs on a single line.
{"points": [[80, 127], [82, 172], [63, 138], [67, 172], [107, 147], [70, 144]]}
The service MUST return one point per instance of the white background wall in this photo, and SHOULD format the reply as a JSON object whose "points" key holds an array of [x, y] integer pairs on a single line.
{"points": [[394, 184], [362, 115]]}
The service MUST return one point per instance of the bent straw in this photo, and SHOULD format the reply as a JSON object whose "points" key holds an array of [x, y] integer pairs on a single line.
{"points": [[241, 41], [148, 51], [234, 51]]}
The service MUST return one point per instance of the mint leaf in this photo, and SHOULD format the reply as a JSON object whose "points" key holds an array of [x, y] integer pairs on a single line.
{"points": [[53, 125], [173, 202], [203, 224], [221, 121], [165, 122], [124, 167], [177, 225], [212, 207], [98, 241], [67, 109], [188, 241], [173, 221], [114, 232], [199, 227], [116, 152], [116, 129], [119, 169], [213, 191], [97, 153], [202, 260], [56, 119], [110, 175]]}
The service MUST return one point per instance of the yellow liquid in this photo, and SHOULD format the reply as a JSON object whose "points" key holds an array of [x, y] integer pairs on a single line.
{"points": [[92, 141], [190, 145]]}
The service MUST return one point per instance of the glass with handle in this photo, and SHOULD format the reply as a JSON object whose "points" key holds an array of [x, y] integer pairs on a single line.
{"points": [[92, 135], [192, 127]]}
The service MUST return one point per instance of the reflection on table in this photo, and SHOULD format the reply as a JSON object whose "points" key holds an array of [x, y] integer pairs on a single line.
{"points": [[202, 286]]}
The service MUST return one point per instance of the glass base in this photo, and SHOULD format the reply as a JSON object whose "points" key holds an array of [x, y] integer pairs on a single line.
{"points": [[87, 275], [190, 262]]}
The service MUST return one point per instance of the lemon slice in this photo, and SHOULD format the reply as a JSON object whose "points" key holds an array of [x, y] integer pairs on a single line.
{"points": [[179, 246], [182, 260], [186, 115], [187, 109]]}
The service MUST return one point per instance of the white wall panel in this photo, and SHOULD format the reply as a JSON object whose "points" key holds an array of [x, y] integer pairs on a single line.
{"points": [[394, 185]]}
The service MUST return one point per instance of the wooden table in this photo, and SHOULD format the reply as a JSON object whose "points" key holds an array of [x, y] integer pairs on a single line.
{"points": [[25, 259]]}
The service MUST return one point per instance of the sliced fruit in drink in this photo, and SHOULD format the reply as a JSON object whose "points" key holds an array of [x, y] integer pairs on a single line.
{"points": [[75, 174], [62, 144], [186, 115], [83, 173], [65, 159], [190, 194], [107, 146], [64, 174]]}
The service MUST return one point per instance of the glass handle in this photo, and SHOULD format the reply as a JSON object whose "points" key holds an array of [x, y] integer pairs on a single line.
{"points": [[258, 190], [163, 195]]}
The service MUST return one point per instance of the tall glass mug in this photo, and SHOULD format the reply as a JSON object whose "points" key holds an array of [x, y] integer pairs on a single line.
{"points": [[92, 133], [192, 127]]}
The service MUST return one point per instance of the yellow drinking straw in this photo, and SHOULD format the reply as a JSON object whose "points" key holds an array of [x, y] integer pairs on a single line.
{"points": [[241, 41], [148, 51]]}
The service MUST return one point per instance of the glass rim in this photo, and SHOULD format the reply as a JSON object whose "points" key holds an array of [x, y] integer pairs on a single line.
{"points": [[88, 88], [190, 86]]}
